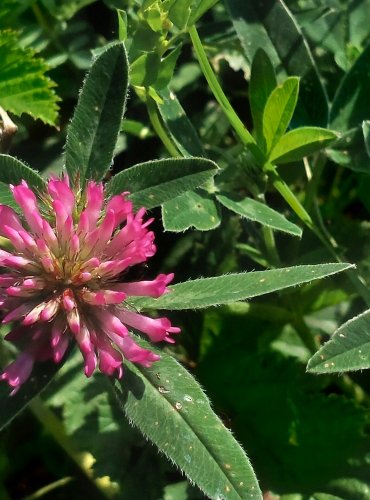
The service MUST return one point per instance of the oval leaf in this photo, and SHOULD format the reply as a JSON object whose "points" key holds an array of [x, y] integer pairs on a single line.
{"points": [[347, 350], [258, 212], [154, 182], [279, 111], [191, 209], [196, 294], [93, 131], [170, 408], [301, 142]]}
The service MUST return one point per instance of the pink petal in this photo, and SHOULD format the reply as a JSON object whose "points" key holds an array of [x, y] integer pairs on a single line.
{"points": [[8, 217], [18, 312], [133, 352], [60, 349], [103, 297], [154, 288], [59, 190], [28, 203], [120, 206], [18, 371], [94, 196], [157, 329]]}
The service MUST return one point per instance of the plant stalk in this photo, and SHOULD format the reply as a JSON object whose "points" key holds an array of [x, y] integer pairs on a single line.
{"points": [[159, 129]]}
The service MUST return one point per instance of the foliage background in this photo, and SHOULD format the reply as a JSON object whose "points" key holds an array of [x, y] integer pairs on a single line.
{"points": [[306, 436]]}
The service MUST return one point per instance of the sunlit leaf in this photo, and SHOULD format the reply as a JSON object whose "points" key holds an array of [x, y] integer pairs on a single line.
{"points": [[93, 131], [259, 212], [278, 112], [200, 293], [24, 87], [270, 24], [301, 142], [170, 408], [191, 209], [347, 350], [261, 85], [155, 182], [179, 126]]}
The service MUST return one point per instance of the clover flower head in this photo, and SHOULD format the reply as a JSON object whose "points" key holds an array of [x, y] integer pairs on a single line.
{"points": [[65, 279]]}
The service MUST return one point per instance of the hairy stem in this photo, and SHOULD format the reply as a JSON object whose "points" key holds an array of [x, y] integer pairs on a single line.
{"points": [[244, 135]]}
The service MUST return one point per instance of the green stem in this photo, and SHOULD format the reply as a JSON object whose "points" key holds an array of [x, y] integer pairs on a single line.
{"points": [[288, 195], [319, 230], [48, 488], [242, 131], [279, 184], [239, 127], [54, 426], [159, 129], [272, 253], [305, 334], [352, 389]]}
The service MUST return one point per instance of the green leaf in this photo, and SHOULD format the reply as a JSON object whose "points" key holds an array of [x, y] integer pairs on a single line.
{"points": [[93, 131], [278, 112], [207, 292], [13, 171], [259, 24], [154, 182], [241, 372], [122, 25], [64, 10], [348, 486], [6, 197], [166, 69], [92, 421], [144, 40], [301, 142], [153, 17], [339, 28], [350, 151], [170, 408], [191, 209], [347, 350], [259, 212], [261, 85], [144, 70], [179, 13], [352, 100], [200, 7], [366, 132], [11, 406], [24, 88], [179, 126]]}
